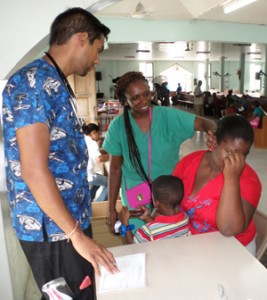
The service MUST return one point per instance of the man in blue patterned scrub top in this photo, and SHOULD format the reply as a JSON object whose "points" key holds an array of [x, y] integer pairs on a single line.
{"points": [[46, 158]]}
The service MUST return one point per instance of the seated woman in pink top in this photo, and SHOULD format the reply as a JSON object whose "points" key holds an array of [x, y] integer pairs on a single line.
{"points": [[221, 190]]}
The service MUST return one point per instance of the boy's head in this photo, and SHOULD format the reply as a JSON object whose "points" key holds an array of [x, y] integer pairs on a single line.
{"points": [[167, 190], [92, 129]]}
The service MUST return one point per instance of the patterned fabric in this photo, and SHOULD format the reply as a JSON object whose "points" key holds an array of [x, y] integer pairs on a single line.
{"points": [[163, 227], [36, 94], [202, 207]]}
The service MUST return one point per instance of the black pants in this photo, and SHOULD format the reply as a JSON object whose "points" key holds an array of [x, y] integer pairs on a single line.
{"points": [[49, 261]]}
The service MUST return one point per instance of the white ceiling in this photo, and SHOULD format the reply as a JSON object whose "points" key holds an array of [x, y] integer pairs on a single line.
{"points": [[254, 13], [209, 10]]}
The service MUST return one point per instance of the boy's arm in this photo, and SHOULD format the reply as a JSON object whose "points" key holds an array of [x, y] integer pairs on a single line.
{"points": [[145, 215], [124, 216], [102, 158]]}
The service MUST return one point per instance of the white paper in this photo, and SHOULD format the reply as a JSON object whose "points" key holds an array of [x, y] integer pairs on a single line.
{"points": [[132, 274]]}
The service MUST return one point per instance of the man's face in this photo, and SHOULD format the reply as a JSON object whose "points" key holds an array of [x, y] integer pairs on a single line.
{"points": [[89, 55]]}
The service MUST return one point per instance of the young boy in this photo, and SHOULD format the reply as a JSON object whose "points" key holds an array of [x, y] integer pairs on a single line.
{"points": [[96, 158], [167, 221]]}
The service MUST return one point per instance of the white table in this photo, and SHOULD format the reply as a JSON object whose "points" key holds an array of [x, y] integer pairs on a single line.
{"points": [[191, 268]]}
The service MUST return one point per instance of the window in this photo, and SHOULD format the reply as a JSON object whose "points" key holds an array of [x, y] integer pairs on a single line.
{"points": [[177, 74]]}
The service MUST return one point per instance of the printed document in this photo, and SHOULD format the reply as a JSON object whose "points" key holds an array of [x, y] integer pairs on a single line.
{"points": [[132, 274]]}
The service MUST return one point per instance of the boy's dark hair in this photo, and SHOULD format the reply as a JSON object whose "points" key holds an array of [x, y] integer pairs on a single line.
{"points": [[88, 128], [168, 190], [76, 20], [234, 127]]}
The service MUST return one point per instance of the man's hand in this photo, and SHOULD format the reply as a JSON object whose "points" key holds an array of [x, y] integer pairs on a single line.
{"points": [[93, 252]]}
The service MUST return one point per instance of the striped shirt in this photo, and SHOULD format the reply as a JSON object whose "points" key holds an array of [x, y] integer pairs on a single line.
{"points": [[163, 227]]}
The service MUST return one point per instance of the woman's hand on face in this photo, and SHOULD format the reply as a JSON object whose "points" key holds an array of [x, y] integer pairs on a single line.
{"points": [[234, 164]]}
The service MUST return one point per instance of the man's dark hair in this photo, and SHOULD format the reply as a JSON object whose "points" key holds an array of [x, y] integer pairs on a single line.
{"points": [[87, 129], [76, 20], [168, 190]]}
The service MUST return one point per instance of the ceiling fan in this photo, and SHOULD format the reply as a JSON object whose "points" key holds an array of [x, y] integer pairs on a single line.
{"points": [[140, 11]]}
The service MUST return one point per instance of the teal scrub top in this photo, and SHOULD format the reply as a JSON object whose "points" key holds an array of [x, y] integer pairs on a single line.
{"points": [[257, 112], [169, 129]]}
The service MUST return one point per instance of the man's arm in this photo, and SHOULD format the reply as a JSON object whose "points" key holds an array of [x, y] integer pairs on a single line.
{"points": [[34, 144]]}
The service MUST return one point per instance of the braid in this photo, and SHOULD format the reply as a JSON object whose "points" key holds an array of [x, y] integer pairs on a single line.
{"points": [[134, 153], [133, 149]]}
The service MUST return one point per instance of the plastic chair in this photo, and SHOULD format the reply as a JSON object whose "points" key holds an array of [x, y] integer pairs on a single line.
{"points": [[260, 220]]}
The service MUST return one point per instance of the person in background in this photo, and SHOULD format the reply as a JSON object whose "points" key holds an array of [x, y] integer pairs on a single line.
{"points": [[228, 101], [222, 191], [46, 158], [127, 140], [95, 167], [157, 94], [256, 118], [199, 100], [216, 106], [231, 108], [167, 221], [177, 96], [242, 104], [165, 94], [178, 90]]}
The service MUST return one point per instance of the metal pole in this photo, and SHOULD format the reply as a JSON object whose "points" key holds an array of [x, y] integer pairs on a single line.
{"points": [[222, 73], [242, 69]]}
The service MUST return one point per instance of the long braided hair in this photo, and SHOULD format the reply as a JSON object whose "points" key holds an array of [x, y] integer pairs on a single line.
{"points": [[134, 152]]}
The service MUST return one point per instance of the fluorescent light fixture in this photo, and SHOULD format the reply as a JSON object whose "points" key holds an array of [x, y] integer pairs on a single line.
{"points": [[230, 6]]}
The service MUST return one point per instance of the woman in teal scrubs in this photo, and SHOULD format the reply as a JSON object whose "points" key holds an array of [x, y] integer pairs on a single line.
{"points": [[127, 140]]}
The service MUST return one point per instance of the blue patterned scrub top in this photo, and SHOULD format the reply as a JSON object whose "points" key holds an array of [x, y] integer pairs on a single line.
{"points": [[36, 94]]}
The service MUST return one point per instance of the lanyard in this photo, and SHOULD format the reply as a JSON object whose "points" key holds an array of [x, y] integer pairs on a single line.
{"points": [[72, 97]]}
